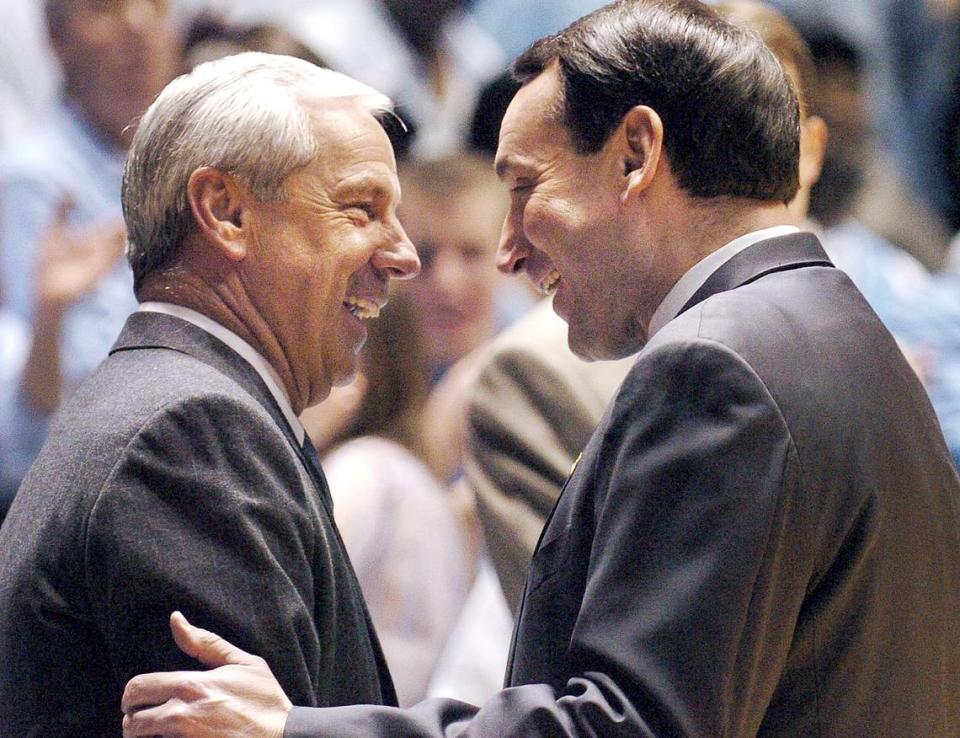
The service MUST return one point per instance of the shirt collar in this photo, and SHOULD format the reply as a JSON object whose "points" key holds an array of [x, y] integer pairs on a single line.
{"points": [[250, 354], [689, 283]]}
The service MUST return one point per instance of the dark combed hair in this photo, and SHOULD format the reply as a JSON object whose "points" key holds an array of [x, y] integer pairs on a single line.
{"points": [[731, 119]]}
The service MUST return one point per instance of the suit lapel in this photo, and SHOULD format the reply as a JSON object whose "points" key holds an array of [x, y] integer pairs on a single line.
{"points": [[764, 257], [158, 330]]}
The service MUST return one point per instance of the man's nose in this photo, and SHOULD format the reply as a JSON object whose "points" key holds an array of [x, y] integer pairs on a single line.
{"points": [[513, 249], [399, 259]]}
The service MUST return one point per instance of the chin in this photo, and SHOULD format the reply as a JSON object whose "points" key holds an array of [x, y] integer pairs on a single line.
{"points": [[345, 376], [595, 349], [583, 350]]}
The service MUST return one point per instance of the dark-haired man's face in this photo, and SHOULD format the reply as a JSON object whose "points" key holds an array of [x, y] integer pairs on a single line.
{"points": [[565, 226]]}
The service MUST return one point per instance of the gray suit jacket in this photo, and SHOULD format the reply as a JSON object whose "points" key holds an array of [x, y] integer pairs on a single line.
{"points": [[761, 538], [171, 480]]}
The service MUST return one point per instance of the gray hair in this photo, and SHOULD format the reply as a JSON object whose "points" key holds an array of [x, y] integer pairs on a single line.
{"points": [[243, 115]]}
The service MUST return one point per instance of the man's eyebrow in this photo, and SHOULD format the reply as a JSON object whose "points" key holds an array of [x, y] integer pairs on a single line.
{"points": [[371, 186]]}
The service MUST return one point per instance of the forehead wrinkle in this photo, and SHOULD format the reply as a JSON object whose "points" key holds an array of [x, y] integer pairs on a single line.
{"points": [[379, 187], [514, 165]]}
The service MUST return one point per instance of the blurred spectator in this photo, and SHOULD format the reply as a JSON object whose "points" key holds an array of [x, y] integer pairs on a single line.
{"points": [[28, 73], [515, 24], [452, 210], [430, 56], [911, 54], [59, 187], [886, 275], [397, 519]]}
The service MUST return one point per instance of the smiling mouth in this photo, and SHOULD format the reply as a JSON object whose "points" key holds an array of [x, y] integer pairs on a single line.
{"points": [[548, 285], [362, 308]]}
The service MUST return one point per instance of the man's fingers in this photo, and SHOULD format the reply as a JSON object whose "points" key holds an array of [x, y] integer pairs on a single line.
{"points": [[149, 690], [208, 648], [151, 723]]}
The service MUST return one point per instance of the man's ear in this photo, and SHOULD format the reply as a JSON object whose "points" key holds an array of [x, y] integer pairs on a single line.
{"points": [[813, 149], [642, 137], [217, 204]]}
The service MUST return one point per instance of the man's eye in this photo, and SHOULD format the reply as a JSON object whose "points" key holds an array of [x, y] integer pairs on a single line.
{"points": [[474, 252], [428, 254], [367, 210]]}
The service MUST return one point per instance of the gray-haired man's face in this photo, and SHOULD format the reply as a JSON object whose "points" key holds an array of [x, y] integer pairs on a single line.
{"points": [[319, 261]]}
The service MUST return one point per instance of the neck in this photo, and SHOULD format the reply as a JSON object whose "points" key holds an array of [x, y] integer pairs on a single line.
{"points": [[715, 222], [688, 229], [222, 302]]}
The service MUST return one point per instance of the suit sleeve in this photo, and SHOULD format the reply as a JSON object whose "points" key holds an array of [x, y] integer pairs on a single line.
{"points": [[206, 512], [694, 578]]}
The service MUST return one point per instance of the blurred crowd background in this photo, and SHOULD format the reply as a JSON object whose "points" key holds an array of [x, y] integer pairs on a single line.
{"points": [[880, 84]]}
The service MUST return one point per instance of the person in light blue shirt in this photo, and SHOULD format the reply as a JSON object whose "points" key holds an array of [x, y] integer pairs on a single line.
{"points": [[515, 24], [14, 344], [64, 173], [60, 168], [888, 276], [931, 326], [61, 232]]}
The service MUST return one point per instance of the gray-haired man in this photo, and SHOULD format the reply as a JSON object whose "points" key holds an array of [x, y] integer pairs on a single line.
{"points": [[260, 198]]}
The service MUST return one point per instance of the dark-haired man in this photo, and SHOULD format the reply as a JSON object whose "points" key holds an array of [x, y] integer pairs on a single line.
{"points": [[761, 538]]}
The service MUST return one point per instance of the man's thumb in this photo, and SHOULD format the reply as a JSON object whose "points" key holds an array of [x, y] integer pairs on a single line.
{"points": [[208, 648]]}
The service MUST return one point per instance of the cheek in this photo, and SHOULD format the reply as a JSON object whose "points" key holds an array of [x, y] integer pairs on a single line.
{"points": [[547, 220]]}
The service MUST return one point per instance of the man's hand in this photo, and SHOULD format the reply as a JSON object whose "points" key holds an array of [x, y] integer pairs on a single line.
{"points": [[71, 260], [70, 263], [239, 698]]}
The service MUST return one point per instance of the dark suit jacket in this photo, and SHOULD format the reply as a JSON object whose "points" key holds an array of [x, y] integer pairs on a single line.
{"points": [[171, 480], [532, 409], [761, 538]]}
